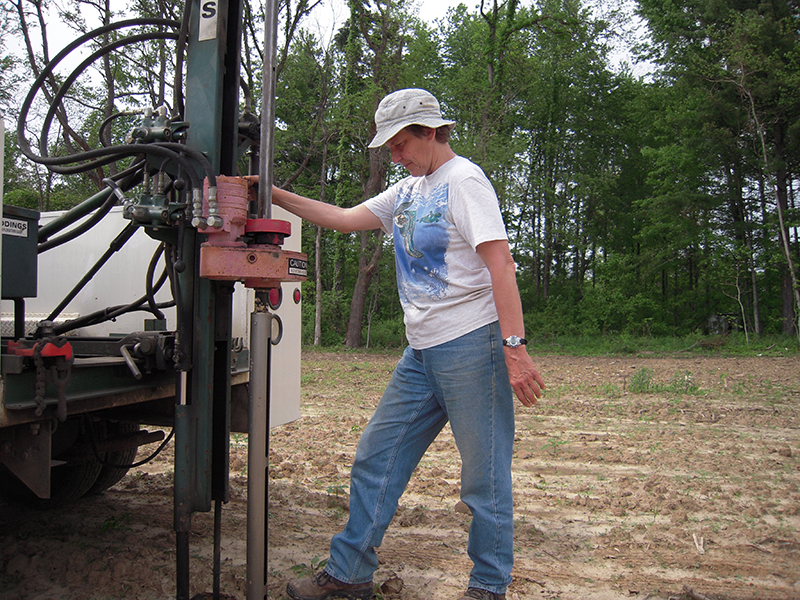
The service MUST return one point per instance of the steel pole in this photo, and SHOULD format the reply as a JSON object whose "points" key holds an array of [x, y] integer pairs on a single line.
{"points": [[268, 110], [258, 429], [260, 331]]}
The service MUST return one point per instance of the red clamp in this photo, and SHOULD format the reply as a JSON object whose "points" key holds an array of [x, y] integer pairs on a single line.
{"points": [[50, 349]]}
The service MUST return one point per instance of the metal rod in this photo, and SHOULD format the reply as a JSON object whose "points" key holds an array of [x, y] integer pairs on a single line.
{"points": [[19, 315], [118, 242], [270, 341], [217, 549], [264, 208], [260, 330], [183, 489], [74, 214], [182, 565], [258, 430]]}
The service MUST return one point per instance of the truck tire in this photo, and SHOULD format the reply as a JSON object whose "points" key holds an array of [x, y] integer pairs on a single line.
{"points": [[67, 484], [112, 473], [69, 481]]}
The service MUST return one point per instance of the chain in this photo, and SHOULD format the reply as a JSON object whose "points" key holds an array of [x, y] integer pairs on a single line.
{"points": [[41, 375], [59, 376]]}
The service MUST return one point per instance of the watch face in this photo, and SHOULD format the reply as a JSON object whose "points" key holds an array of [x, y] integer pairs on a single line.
{"points": [[513, 341]]}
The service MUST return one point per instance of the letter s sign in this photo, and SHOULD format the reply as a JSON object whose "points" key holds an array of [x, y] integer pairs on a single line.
{"points": [[208, 21], [209, 9]]}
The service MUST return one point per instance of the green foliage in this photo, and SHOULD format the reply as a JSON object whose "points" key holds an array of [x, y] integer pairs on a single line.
{"points": [[689, 345], [388, 333], [22, 197], [643, 382], [116, 523], [309, 570], [636, 208], [332, 317]]}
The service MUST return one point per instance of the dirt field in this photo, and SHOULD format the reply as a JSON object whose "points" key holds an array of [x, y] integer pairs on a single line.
{"points": [[635, 478]]}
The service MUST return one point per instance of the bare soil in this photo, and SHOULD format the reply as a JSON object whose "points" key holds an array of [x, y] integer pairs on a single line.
{"points": [[688, 487]]}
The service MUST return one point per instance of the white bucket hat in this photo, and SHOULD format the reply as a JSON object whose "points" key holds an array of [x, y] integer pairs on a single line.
{"points": [[403, 108]]}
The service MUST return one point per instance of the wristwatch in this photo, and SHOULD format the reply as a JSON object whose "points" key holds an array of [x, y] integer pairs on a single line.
{"points": [[514, 341]]}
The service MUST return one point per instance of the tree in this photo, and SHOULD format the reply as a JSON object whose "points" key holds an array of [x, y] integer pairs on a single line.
{"points": [[748, 50], [380, 26]]}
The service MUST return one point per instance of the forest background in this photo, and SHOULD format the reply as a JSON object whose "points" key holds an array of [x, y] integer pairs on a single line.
{"points": [[660, 204]]}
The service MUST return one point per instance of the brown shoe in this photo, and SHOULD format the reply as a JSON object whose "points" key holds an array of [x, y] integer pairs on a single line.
{"points": [[322, 586], [479, 594]]}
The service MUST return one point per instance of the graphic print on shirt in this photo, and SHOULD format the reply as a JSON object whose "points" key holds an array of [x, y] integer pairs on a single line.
{"points": [[405, 220], [421, 234]]}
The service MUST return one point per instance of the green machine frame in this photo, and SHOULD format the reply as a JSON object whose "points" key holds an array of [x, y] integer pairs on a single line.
{"points": [[200, 384]]}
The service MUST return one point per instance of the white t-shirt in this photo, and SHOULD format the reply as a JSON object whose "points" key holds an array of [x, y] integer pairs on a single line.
{"points": [[437, 222]]}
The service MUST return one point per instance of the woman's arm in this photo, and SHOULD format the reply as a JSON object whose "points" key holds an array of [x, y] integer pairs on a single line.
{"points": [[326, 215], [525, 379]]}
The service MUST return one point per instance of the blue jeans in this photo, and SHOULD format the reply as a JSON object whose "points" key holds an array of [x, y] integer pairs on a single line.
{"points": [[466, 382]]}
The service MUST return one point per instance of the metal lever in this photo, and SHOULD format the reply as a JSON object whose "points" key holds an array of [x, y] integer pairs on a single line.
{"points": [[130, 362]]}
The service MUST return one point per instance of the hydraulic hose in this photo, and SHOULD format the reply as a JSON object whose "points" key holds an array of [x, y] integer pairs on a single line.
{"points": [[47, 71], [55, 102]]}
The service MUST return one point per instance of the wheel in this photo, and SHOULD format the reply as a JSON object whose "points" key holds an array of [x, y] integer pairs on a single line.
{"points": [[112, 473], [67, 484], [68, 481]]}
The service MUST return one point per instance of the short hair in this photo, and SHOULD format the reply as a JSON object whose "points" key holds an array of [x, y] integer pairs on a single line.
{"points": [[421, 131]]}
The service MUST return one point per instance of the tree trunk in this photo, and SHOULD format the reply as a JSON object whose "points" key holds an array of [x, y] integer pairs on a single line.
{"points": [[789, 287], [318, 249], [318, 288], [371, 248], [369, 257]]}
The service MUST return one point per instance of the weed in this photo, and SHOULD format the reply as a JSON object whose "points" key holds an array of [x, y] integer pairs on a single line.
{"points": [[304, 570], [610, 390], [337, 512], [336, 490], [117, 523], [682, 383], [642, 381], [553, 445]]}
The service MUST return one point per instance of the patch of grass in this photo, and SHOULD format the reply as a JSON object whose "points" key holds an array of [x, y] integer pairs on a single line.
{"points": [[644, 382], [682, 383], [610, 390]]}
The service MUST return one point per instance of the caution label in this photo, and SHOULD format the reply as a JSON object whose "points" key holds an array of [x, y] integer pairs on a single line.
{"points": [[298, 267]]}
